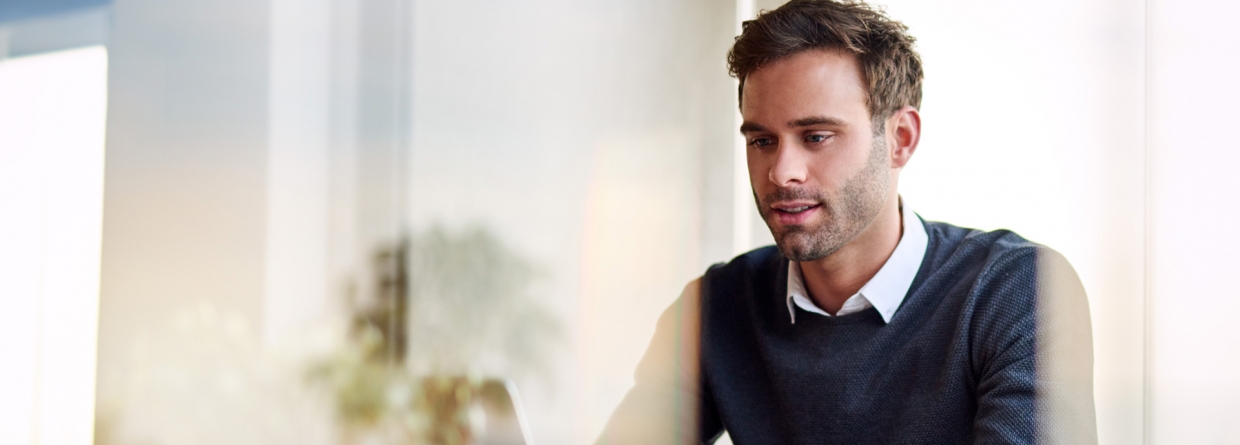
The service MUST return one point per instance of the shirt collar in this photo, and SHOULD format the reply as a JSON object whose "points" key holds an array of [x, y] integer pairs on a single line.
{"points": [[886, 290]]}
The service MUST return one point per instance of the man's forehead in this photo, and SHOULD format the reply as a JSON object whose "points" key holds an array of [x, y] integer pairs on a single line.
{"points": [[823, 83]]}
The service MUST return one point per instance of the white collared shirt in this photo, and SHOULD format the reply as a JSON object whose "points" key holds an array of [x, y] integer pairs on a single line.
{"points": [[886, 290]]}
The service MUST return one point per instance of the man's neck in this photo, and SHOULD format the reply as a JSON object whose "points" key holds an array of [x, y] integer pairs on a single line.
{"points": [[832, 280]]}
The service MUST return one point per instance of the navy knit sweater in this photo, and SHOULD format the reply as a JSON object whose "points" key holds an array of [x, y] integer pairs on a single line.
{"points": [[990, 345]]}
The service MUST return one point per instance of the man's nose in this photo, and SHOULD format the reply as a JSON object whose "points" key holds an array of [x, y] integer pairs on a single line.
{"points": [[790, 166]]}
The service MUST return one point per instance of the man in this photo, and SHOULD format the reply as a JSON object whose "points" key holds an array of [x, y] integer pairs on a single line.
{"points": [[865, 324]]}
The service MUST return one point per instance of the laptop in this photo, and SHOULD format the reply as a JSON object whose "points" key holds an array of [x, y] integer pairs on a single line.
{"points": [[497, 416]]}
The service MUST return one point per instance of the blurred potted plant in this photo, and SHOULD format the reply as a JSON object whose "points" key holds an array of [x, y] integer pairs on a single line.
{"points": [[445, 308]]}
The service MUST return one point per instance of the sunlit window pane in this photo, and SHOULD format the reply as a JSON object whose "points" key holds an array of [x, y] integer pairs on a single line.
{"points": [[52, 110]]}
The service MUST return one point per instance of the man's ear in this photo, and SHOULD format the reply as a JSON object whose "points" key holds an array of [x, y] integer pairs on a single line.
{"points": [[903, 133]]}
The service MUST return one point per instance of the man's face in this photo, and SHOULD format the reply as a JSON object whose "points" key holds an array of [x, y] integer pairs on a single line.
{"points": [[819, 174]]}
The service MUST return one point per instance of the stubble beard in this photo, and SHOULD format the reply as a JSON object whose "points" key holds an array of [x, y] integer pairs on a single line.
{"points": [[845, 215]]}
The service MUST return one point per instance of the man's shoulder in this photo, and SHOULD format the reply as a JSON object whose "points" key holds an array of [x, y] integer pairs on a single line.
{"points": [[952, 245], [754, 271], [1005, 269]]}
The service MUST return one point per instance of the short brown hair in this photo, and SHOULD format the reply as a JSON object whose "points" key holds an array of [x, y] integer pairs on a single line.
{"points": [[882, 46]]}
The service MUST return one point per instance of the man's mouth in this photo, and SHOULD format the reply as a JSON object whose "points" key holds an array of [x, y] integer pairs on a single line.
{"points": [[795, 213], [797, 209]]}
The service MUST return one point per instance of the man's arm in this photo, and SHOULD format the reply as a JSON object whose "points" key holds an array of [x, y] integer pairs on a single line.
{"points": [[1035, 379], [1065, 392], [665, 404]]}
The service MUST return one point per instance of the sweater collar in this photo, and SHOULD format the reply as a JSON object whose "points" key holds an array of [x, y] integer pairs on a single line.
{"points": [[886, 290]]}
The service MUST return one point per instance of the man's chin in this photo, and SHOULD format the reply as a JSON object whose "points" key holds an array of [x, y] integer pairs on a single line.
{"points": [[799, 248]]}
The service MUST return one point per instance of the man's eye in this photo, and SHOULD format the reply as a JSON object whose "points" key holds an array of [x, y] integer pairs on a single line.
{"points": [[815, 138], [760, 142]]}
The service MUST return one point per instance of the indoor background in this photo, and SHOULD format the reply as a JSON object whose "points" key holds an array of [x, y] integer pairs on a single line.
{"points": [[270, 222]]}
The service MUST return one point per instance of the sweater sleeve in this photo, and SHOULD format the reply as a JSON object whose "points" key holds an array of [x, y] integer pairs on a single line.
{"points": [[665, 405], [1033, 352], [1065, 355]]}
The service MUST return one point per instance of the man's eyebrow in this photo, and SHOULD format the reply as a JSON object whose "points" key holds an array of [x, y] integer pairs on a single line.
{"points": [[816, 120], [750, 127]]}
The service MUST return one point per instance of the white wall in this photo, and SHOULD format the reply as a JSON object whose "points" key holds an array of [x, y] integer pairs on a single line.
{"points": [[1194, 305]]}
